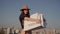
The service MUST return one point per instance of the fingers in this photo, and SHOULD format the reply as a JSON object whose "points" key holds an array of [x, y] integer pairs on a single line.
{"points": [[38, 21]]}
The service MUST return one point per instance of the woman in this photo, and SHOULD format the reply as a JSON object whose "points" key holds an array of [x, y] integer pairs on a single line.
{"points": [[25, 16]]}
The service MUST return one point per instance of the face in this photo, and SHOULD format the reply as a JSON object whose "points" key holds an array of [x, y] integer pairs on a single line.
{"points": [[25, 11]]}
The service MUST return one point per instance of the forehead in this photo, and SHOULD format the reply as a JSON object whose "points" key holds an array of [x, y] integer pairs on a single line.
{"points": [[25, 10]]}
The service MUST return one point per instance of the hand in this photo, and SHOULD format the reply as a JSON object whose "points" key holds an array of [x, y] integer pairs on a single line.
{"points": [[22, 31], [38, 21]]}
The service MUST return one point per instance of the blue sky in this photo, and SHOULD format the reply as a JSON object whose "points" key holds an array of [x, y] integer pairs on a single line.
{"points": [[9, 11]]}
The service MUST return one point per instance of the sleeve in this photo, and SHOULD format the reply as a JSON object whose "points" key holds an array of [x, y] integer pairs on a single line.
{"points": [[21, 18], [44, 19]]}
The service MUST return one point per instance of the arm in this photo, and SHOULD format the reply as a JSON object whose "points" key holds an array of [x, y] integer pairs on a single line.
{"points": [[31, 19]]}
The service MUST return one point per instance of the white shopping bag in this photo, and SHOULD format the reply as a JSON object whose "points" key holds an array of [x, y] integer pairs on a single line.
{"points": [[32, 24]]}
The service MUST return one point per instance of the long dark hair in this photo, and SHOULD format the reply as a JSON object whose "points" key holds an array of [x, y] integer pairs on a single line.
{"points": [[21, 17]]}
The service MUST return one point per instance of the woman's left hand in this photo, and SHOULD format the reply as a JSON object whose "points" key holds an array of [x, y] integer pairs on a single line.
{"points": [[38, 21]]}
